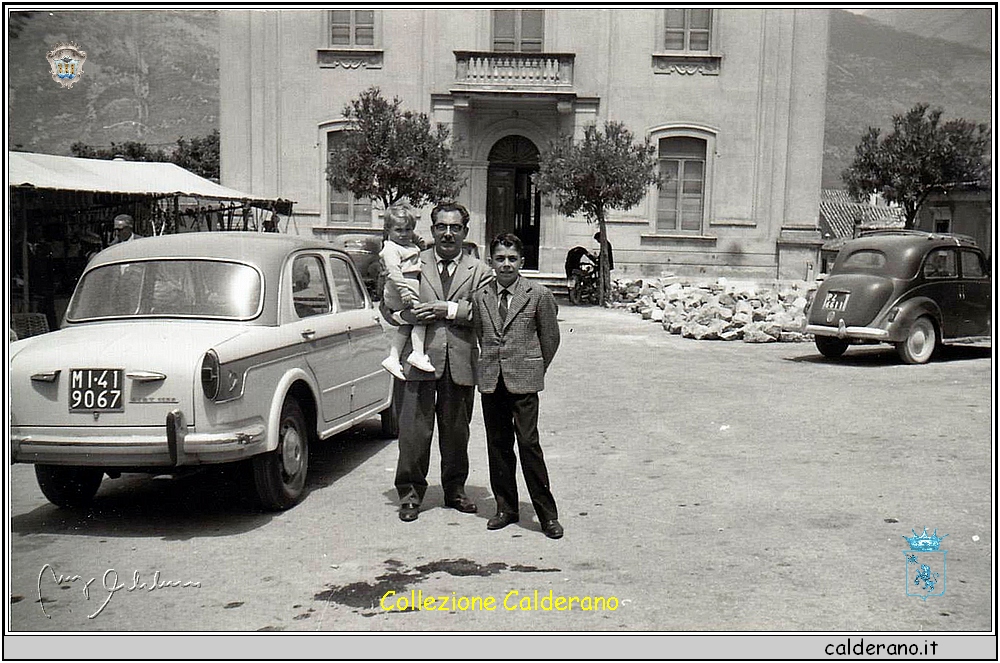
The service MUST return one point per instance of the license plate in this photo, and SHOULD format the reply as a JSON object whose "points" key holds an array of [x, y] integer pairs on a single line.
{"points": [[96, 390], [836, 301]]}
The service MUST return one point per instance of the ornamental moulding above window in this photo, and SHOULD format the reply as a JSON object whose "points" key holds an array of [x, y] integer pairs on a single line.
{"points": [[680, 63], [355, 58]]}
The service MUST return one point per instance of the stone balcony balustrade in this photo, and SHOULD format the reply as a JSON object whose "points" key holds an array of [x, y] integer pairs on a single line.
{"points": [[492, 71]]}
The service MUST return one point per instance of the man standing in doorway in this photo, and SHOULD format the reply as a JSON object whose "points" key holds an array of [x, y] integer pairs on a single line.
{"points": [[448, 279]]}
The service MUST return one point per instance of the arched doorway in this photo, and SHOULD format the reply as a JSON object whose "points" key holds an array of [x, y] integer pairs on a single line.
{"points": [[513, 204]]}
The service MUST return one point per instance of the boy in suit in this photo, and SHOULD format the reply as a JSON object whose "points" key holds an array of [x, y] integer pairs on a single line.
{"points": [[515, 323]]}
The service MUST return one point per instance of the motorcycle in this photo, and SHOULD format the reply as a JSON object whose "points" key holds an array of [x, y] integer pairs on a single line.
{"points": [[582, 278]]}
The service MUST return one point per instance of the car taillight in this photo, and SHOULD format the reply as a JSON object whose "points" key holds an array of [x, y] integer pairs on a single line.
{"points": [[893, 313], [210, 375]]}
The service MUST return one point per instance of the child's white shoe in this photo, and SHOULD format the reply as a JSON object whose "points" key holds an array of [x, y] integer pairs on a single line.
{"points": [[392, 365], [421, 361]]}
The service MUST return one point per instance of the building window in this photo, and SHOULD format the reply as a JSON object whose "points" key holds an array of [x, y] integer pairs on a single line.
{"points": [[352, 28], [681, 201], [343, 208], [518, 30], [687, 30], [942, 219]]}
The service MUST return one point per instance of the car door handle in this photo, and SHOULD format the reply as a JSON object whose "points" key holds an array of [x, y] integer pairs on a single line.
{"points": [[308, 333]]}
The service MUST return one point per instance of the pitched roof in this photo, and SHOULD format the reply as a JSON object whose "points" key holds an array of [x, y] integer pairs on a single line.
{"points": [[838, 214]]}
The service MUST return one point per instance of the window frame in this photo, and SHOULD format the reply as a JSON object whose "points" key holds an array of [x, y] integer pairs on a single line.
{"points": [[980, 260], [661, 32], [327, 131], [677, 130], [325, 283], [353, 45], [358, 288], [930, 258], [518, 31]]}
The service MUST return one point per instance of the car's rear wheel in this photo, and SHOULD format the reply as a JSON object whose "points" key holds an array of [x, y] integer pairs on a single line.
{"points": [[68, 487], [920, 343], [831, 346], [280, 475]]}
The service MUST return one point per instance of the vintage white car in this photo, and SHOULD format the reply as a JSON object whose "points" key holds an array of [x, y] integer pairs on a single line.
{"points": [[198, 348]]}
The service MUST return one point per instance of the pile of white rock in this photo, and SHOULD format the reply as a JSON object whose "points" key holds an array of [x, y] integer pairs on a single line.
{"points": [[721, 309]]}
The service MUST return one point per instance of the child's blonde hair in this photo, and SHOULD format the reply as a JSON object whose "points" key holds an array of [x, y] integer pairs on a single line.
{"points": [[398, 214]]}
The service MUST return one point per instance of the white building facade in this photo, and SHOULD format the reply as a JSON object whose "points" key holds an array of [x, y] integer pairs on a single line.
{"points": [[733, 99]]}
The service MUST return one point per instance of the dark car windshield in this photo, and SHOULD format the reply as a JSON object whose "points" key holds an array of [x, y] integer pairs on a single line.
{"points": [[154, 288]]}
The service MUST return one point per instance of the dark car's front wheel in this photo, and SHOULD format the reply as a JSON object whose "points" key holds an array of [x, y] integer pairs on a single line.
{"points": [[280, 475], [920, 343], [831, 346], [68, 487]]}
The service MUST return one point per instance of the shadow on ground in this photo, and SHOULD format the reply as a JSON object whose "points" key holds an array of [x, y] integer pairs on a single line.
{"points": [[873, 356], [215, 501]]}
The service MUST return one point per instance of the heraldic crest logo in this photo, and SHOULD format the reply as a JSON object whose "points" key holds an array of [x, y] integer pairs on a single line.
{"points": [[66, 62], [922, 561]]}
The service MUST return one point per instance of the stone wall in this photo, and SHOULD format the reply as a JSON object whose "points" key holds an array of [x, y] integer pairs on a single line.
{"points": [[720, 309]]}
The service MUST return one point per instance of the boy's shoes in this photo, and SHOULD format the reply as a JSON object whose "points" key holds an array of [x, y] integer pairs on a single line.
{"points": [[421, 361], [392, 365]]}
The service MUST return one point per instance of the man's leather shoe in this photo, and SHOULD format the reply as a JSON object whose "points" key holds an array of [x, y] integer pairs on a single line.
{"points": [[501, 520], [463, 504], [552, 529], [408, 511]]}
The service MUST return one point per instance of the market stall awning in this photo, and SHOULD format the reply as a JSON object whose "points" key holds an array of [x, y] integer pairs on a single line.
{"points": [[148, 178]]}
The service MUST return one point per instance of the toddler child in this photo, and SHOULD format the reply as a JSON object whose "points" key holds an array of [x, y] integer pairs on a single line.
{"points": [[401, 257]]}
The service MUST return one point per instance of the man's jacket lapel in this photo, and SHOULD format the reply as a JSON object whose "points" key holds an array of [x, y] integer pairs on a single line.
{"points": [[429, 273], [491, 303], [464, 269]]}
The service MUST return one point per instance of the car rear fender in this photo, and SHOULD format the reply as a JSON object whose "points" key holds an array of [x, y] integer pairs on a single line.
{"points": [[909, 311], [301, 386]]}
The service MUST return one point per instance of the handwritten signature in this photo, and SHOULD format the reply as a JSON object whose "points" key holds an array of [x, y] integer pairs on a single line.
{"points": [[110, 584]]}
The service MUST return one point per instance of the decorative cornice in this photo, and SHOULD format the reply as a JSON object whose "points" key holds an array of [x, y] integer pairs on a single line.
{"points": [[682, 63], [353, 58]]}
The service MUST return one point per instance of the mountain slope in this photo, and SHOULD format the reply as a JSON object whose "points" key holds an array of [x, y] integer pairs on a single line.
{"points": [[875, 72], [149, 75], [969, 27]]}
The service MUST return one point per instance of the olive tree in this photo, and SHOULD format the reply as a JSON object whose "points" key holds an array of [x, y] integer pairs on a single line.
{"points": [[390, 154], [605, 170], [919, 156]]}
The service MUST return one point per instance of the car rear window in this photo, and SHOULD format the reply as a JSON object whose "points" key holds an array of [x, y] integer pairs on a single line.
{"points": [[168, 288], [863, 260]]}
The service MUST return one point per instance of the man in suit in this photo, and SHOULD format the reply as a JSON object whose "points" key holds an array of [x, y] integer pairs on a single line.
{"points": [[448, 278], [515, 322]]}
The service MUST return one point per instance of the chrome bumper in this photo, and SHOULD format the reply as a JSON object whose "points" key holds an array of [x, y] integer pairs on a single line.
{"points": [[843, 331], [170, 446]]}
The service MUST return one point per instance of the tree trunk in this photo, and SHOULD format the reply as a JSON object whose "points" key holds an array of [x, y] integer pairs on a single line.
{"points": [[605, 273]]}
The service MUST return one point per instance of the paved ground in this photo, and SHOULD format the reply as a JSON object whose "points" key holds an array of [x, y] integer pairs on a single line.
{"points": [[703, 485]]}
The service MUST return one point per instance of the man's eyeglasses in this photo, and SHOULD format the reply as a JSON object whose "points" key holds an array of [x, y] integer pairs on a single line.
{"points": [[454, 228]]}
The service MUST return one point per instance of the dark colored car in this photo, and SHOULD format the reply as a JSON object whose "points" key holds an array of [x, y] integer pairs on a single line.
{"points": [[363, 249], [913, 289]]}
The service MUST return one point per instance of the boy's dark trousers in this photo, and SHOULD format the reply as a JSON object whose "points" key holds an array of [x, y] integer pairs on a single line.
{"points": [[507, 416]]}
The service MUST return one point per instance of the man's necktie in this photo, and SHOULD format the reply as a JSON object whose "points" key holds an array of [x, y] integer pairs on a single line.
{"points": [[504, 295], [445, 277]]}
